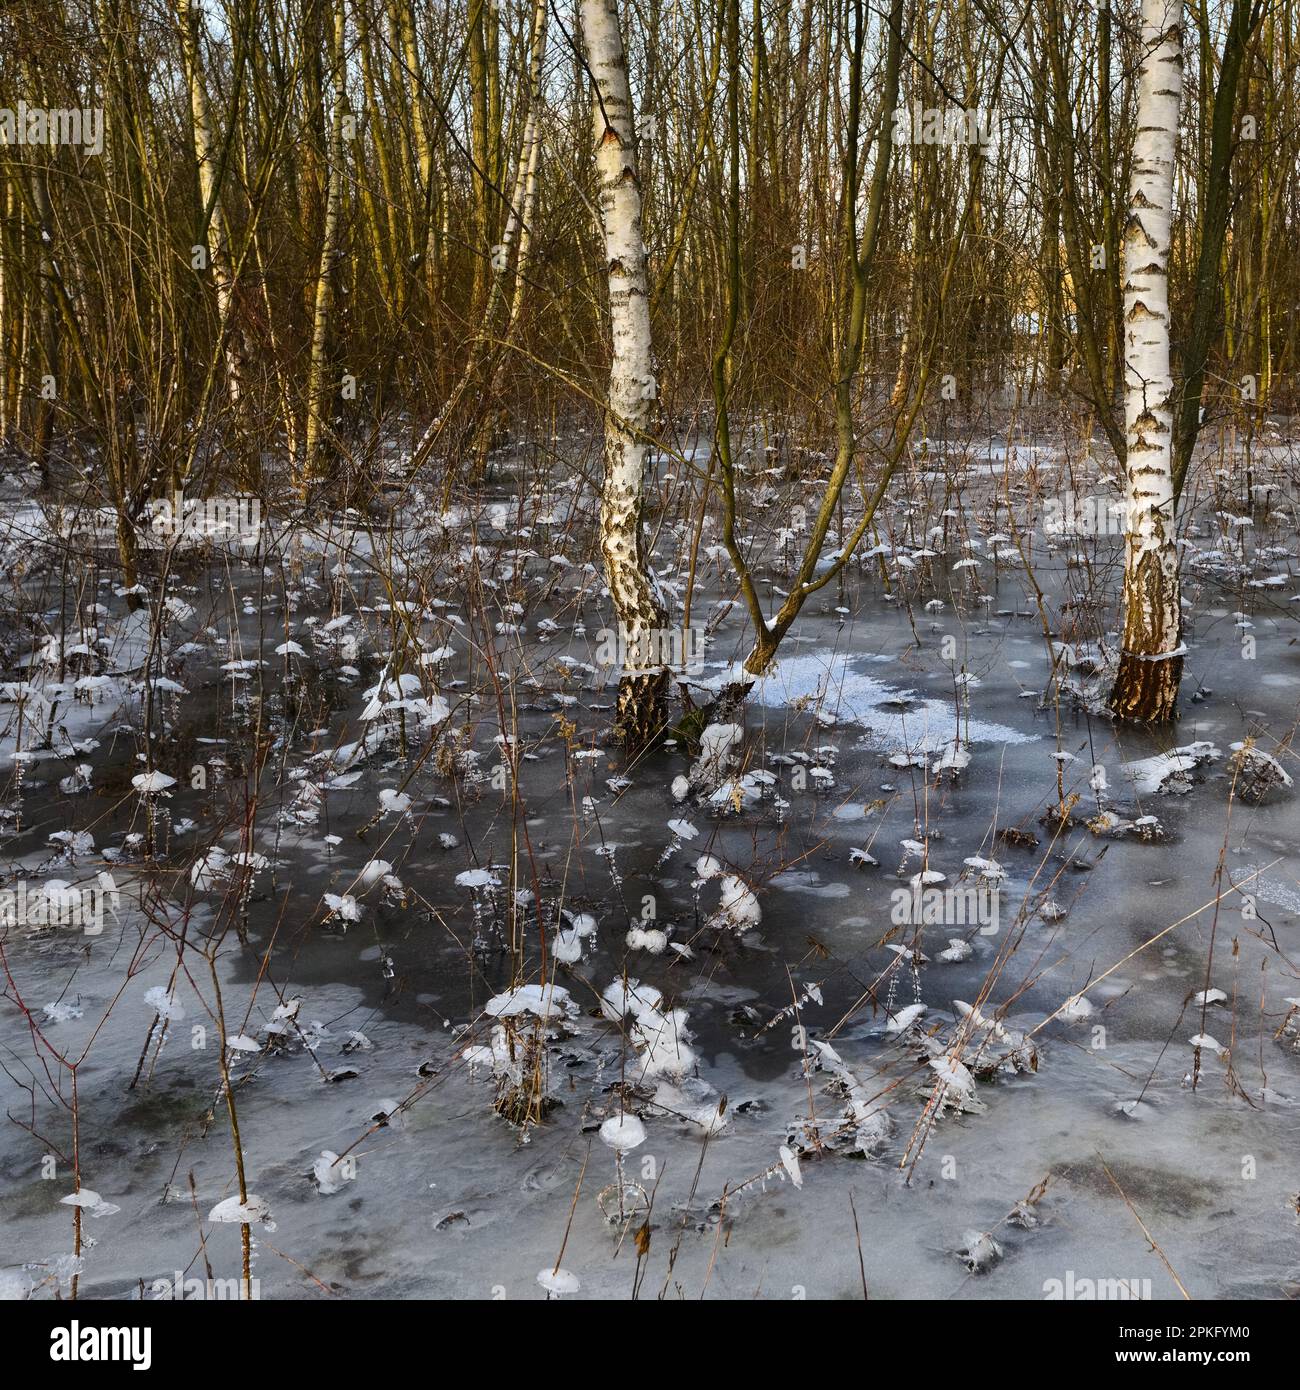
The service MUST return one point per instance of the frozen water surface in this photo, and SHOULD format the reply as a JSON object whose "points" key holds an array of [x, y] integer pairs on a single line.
{"points": [[1038, 1086]]}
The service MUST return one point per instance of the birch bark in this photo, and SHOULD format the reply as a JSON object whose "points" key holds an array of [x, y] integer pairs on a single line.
{"points": [[317, 395], [1146, 684], [521, 214], [47, 322], [205, 155], [631, 384]]}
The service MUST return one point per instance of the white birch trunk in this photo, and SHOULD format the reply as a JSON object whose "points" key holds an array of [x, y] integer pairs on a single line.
{"points": [[519, 226], [524, 190], [317, 394], [47, 323], [1146, 686], [530, 157], [631, 385], [205, 154]]}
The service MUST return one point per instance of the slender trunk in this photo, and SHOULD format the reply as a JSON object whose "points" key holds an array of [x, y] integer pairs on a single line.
{"points": [[206, 156], [391, 274], [48, 330], [1146, 684], [912, 304], [1216, 205], [18, 319], [641, 695], [518, 228], [480, 172], [317, 392], [530, 157], [1110, 229], [6, 314], [410, 56], [768, 633]]}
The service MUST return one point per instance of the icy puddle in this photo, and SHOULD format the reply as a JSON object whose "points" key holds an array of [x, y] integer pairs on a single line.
{"points": [[837, 686], [478, 991]]}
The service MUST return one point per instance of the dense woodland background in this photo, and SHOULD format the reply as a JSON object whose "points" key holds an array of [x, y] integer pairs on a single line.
{"points": [[99, 286]]}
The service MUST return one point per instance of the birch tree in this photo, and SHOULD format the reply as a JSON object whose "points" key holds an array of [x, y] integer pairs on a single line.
{"points": [[524, 202], [48, 329], [317, 392], [1146, 684], [208, 161], [640, 611]]}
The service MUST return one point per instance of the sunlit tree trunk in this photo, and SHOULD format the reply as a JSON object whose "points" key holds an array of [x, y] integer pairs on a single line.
{"points": [[480, 159], [491, 344], [518, 228], [862, 249], [48, 332], [8, 301], [410, 57], [907, 347], [207, 158], [1146, 684], [631, 382], [523, 209], [1214, 204], [382, 212], [317, 391]]}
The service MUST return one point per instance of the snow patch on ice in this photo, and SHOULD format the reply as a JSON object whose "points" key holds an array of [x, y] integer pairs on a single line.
{"points": [[927, 726]]}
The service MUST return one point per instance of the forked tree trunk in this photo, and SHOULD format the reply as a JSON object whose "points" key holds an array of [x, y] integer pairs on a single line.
{"points": [[641, 694], [1146, 684], [862, 249], [487, 413]]}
